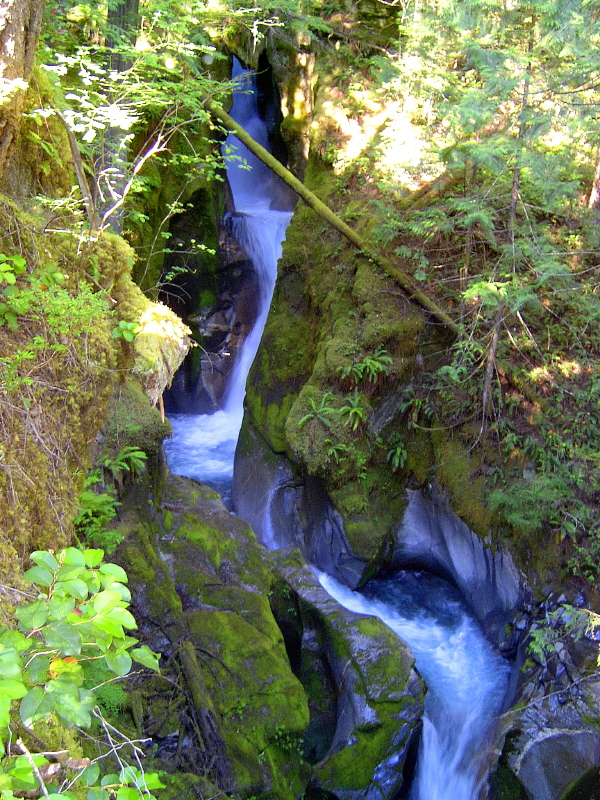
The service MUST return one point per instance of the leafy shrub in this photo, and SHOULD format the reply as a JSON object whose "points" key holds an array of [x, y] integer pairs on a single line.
{"points": [[80, 616]]}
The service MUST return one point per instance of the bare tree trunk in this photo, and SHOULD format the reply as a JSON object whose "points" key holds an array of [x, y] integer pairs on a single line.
{"points": [[111, 167], [594, 201], [20, 23]]}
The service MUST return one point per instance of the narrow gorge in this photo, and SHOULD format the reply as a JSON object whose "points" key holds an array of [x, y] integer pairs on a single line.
{"points": [[326, 401]]}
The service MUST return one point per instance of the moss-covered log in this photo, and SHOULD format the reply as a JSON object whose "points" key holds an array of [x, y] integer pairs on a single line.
{"points": [[401, 278]]}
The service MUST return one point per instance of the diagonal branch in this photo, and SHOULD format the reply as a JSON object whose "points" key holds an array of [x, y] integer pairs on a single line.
{"points": [[403, 280]]}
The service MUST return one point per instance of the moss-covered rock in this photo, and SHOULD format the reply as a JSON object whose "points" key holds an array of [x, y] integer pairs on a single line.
{"points": [[132, 422], [208, 590], [377, 697]]}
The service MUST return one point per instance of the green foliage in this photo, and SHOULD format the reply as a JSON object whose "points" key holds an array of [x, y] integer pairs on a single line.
{"points": [[415, 408], [80, 616], [353, 412], [95, 511], [368, 369], [564, 622], [321, 412], [125, 330], [128, 459], [397, 452], [17, 300]]}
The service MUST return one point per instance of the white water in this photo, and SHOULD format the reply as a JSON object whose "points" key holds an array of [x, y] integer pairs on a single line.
{"points": [[466, 679], [203, 445]]}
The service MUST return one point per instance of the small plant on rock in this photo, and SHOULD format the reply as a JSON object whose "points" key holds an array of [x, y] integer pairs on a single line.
{"points": [[354, 412], [320, 412]]}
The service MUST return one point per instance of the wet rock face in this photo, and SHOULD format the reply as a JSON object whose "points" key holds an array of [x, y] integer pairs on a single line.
{"points": [[552, 738], [286, 510], [221, 327], [430, 536]]}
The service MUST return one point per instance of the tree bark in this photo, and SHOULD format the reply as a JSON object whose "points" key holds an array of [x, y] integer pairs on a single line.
{"points": [[20, 23], [594, 199], [112, 165]]}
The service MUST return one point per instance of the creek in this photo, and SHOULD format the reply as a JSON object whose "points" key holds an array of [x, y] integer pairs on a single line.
{"points": [[203, 445], [466, 678]]}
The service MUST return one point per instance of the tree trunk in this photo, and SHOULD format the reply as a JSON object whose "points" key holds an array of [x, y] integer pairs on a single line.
{"points": [[113, 163], [594, 200], [20, 22]]}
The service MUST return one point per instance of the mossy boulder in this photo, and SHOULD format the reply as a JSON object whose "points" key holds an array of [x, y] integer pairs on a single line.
{"points": [[377, 696], [200, 580], [261, 705], [132, 422]]}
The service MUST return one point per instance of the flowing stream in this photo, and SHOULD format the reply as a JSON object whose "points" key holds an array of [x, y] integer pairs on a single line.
{"points": [[203, 445], [466, 679]]}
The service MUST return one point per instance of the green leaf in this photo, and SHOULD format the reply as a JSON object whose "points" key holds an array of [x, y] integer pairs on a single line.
{"points": [[121, 589], [124, 617], [117, 572], [37, 704], [119, 662], [12, 688], [105, 601], [127, 793], [70, 572], [93, 556], [109, 626], [60, 607], [98, 794], [144, 655], [73, 707], [11, 319], [152, 781], [11, 665], [75, 587], [5, 704], [32, 616], [90, 775], [39, 575], [17, 640], [37, 671], [73, 556], [64, 637]]}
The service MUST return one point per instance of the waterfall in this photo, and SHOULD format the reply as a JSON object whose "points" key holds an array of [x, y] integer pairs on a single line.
{"points": [[466, 679], [203, 445]]}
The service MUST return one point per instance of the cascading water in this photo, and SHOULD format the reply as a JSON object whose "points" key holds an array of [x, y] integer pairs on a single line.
{"points": [[466, 679], [203, 445]]}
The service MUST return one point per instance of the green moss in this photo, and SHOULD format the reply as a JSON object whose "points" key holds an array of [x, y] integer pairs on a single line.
{"points": [[184, 785], [206, 537], [353, 767], [41, 161], [65, 344], [260, 704], [146, 569], [270, 419], [132, 422], [456, 469]]}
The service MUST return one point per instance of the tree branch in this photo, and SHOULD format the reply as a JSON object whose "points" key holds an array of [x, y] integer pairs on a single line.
{"points": [[403, 280]]}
